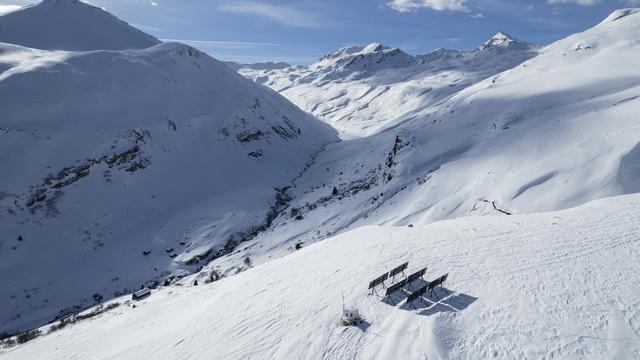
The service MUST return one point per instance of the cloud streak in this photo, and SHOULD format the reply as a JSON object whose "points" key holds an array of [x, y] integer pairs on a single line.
{"points": [[438, 5], [579, 2], [222, 43], [282, 14]]}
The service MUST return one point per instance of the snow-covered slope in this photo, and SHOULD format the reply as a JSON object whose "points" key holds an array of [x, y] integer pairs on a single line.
{"points": [[70, 25], [120, 167], [555, 132], [540, 286], [362, 89]]}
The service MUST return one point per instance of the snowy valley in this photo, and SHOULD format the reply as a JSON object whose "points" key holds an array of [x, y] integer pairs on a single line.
{"points": [[281, 189]]}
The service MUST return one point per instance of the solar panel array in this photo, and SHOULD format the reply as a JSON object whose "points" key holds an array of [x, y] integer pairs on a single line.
{"points": [[407, 281]]}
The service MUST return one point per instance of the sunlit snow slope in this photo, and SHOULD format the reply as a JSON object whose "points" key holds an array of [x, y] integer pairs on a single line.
{"points": [[555, 132], [120, 167], [562, 285]]}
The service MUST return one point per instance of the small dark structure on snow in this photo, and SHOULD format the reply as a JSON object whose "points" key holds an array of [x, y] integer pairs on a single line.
{"points": [[141, 294]]}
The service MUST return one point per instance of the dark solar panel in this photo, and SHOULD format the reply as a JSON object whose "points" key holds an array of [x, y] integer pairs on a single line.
{"points": [[379, 280], [395, 287], [399, 269], [416, 294], [416, 275], [438, 281]]}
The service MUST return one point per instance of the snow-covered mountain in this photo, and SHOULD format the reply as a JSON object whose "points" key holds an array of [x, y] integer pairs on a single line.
{"points": [[70, 25], [535, 286], [123, 166], [554, 132], [362, 89]]}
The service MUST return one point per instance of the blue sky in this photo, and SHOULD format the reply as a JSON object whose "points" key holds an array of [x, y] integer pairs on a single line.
{"points": [[300, 31]]}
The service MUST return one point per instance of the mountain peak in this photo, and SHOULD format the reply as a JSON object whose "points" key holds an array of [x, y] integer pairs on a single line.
{"points": [[500, 38], [355, 49], [503, 40], [70, 25], [373, 47]]}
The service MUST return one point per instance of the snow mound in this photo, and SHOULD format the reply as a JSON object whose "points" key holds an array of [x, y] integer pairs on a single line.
{"points": [[70, 25], [619, 14], [567, 279]]}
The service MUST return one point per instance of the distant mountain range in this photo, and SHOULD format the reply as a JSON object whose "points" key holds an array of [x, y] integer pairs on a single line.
{"points": [[354, 88]]}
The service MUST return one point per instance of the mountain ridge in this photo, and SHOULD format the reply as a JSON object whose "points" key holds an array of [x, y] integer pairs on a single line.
{"points": [[93, 197], [70, 25]]}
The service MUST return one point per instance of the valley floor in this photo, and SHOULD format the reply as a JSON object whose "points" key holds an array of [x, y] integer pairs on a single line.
{"points": [[561, 285]]}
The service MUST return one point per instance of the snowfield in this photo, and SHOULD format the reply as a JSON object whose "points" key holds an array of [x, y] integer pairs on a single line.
{"points": [[561, 285]]}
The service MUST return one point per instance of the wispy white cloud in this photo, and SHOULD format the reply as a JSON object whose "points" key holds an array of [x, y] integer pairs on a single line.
{"points": [[590, 2], [579, 2], [222, 44], [439, 5], [283, 14], [8, 8]]}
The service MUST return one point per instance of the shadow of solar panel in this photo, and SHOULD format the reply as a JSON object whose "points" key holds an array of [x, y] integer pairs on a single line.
{"points": [[398, 269], [423, 290]]}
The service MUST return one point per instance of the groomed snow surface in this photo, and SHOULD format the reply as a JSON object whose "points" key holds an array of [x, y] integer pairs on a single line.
{"points": [[561, 285]]}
